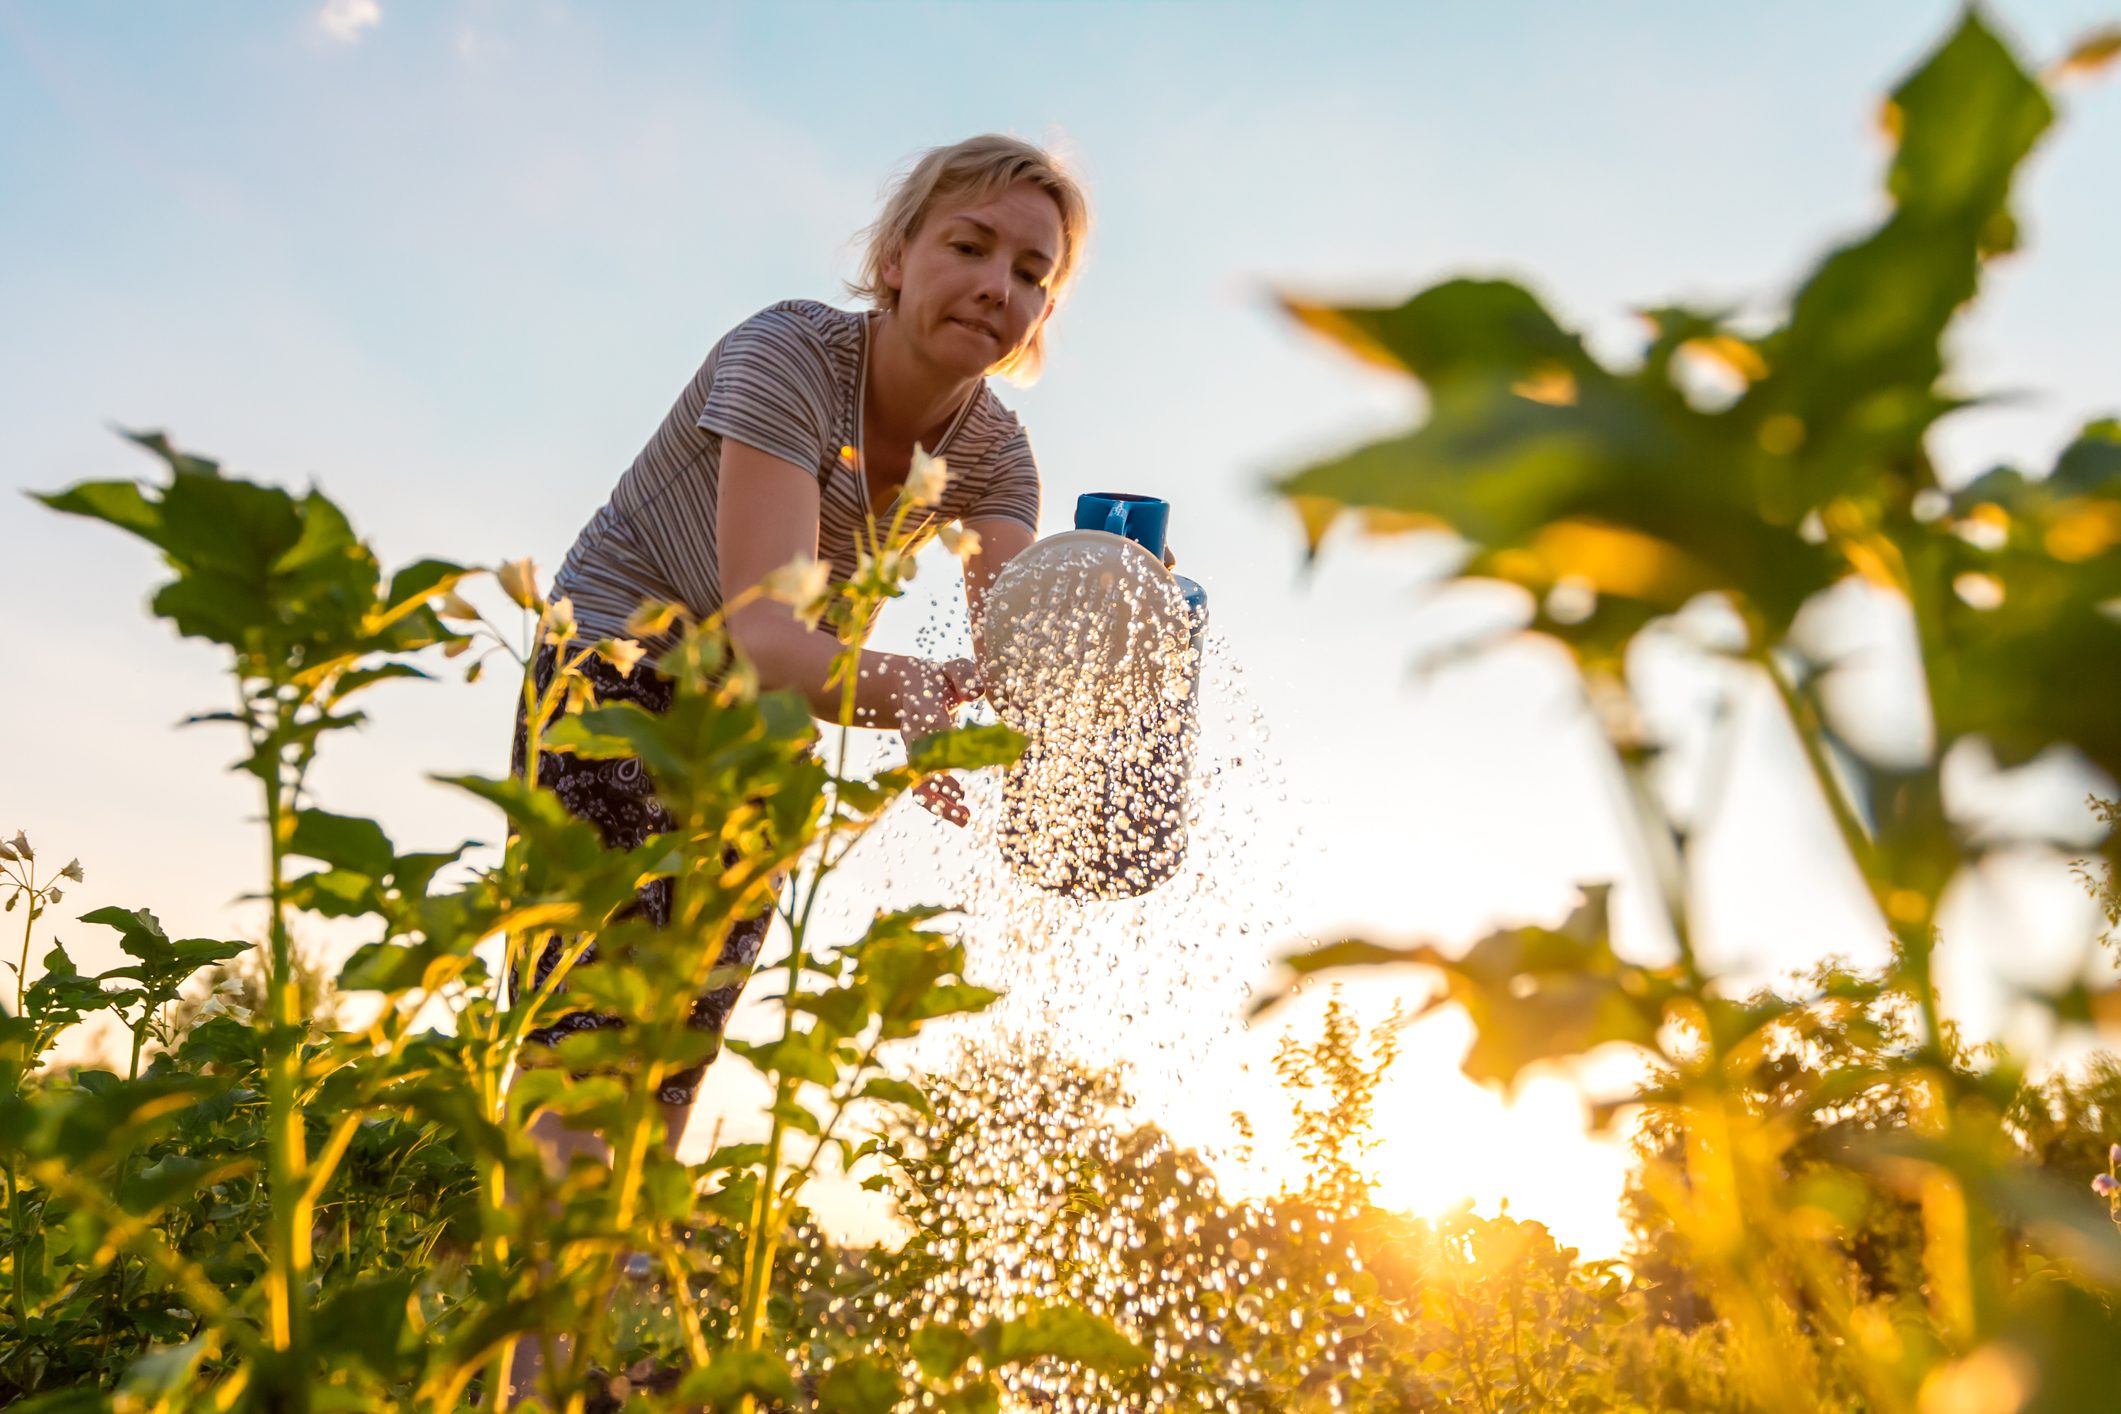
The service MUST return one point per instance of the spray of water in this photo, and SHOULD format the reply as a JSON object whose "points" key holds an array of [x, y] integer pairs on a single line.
{"points": [[1119, 889]]}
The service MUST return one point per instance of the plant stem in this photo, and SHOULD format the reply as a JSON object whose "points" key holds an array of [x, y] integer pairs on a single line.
{"points": [[29, 921], [287, 1274]]}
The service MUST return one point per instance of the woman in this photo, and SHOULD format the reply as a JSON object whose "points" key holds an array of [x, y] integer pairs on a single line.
{"points": [[800, 426]]}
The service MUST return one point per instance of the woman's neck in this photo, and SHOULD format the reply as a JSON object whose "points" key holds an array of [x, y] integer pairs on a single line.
{"points": [[910, 399]]}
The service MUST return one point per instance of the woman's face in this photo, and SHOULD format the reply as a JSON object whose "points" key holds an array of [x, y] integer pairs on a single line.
{"points": [[972, 280]]}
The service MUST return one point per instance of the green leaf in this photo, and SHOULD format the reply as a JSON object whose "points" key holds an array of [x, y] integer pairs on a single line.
{"points": [[179, 463], [967, 748], [795, 1057], [223, 1040], [352, 682], [369, 1320], [163, 1373], [343, 841], [1968, 116], [941, 1351], [325, 537], [897, 1092], [862, 1385], [422, 580], [736, 1373], [119, 503], [979, 1397], [1461, 328], [334, 893], [1532, 993], [1061, 1333], [174, 1176]]}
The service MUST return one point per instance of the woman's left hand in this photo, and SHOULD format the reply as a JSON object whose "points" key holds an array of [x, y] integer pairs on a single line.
{"points": [[952, 684]]}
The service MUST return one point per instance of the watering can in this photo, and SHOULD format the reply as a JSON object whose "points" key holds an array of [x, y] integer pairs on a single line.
{"points": [[1091, 648]]}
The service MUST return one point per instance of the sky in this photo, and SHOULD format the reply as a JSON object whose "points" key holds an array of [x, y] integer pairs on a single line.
{"points": [[453, 260]]}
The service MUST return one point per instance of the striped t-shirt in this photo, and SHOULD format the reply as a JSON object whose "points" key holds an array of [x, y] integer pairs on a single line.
{"points": [[789, 381]]}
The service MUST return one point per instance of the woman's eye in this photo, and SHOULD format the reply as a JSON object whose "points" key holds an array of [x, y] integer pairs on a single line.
{"points": [[964, 248]]}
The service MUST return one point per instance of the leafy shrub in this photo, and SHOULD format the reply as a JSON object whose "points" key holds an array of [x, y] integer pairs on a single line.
{"points": [[1833, 1182]]}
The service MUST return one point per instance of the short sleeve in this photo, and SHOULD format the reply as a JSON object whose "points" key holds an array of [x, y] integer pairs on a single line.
{"points": [[1011, 489], [772, 388]]}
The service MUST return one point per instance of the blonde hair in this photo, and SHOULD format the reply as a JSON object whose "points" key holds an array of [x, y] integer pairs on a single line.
{"points": [[972, 171]]}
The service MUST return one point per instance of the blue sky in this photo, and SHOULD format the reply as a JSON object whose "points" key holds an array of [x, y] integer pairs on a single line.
{"points": [[455, 263]]}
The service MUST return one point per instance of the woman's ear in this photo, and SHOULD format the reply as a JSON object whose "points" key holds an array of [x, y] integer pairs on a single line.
{"points": [[893, 267]]}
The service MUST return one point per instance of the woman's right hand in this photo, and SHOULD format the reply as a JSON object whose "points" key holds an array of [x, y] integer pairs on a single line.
{"points": [[945, 686]]}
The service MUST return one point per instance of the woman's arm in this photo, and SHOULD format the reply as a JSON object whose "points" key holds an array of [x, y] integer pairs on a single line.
{"points": [[1001, 539], [767, 516]]}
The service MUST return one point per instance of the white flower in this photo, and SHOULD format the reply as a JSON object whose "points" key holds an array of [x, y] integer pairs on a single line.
{"points": [[519, 581], [559, 621], [623, 654], [894, 566], [21, 844], [801, 585], [453, 605], [959, 540], [926, 478], [73, 871]]}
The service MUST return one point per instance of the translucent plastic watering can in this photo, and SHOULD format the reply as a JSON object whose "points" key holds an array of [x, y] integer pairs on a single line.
{"points": [[1091, 647]]}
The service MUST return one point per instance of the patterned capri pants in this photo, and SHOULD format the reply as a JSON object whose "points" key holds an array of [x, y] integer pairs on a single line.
{"points": [[617, 797]]}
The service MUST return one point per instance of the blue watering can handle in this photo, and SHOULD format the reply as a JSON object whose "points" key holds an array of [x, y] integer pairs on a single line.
{"points": [[1116, 518]]}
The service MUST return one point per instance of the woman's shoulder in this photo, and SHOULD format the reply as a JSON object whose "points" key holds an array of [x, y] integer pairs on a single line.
{"points": [[992, 434], [806, 320]]}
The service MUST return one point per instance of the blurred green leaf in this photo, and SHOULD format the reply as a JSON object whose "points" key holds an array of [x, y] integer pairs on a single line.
{"points": [[1061, 1333], [736, 1373], [860, 1386], [966, 749]]}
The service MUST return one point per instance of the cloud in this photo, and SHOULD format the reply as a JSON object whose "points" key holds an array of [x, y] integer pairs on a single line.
{"points": [[344, 20]]}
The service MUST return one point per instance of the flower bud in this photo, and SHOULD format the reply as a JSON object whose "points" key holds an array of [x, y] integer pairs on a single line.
{"points": [[653, 619], [2105, 1185], [519, 581], [7, 851], [53, 895], [21, 844], [2113, 1154], [453, 605]]}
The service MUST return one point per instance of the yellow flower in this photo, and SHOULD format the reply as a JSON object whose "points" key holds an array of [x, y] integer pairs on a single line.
{"points": [[959, 540], [453, 605], [926, 478], [519, 581], [623, 654], [653, 619]]}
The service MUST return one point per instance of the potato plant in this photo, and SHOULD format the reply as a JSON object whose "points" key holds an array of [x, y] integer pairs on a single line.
{"points": [[280, 1214], [1713, 489]]}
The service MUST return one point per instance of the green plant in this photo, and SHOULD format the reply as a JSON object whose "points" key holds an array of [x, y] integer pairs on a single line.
{"points": [[1624, 502], [283, 1212]]}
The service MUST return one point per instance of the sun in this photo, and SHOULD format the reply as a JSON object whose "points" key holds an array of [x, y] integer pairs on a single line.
{"points": [[1444, 1142]]}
